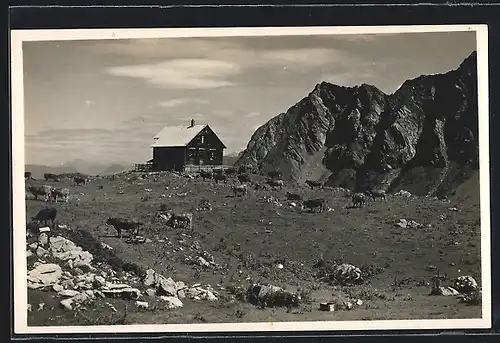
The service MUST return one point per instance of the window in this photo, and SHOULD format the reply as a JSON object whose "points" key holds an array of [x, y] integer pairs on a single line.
{"points": [[202, 139]]}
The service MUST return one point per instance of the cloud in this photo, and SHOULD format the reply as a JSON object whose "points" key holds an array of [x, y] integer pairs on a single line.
{"points": [[253, 114], [181, 101], [89, 102], [181, 73]]}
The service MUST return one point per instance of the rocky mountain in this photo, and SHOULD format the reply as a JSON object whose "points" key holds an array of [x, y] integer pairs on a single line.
{"points": [[423, 137]]}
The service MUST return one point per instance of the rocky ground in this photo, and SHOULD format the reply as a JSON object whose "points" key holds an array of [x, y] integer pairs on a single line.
{"points": [[252, 258]]}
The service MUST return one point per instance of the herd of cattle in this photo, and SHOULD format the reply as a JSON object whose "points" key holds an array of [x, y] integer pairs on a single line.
{"points": [[243, 175]]}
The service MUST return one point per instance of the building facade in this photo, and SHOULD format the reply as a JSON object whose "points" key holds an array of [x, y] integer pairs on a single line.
{"points": [[174, 148]]}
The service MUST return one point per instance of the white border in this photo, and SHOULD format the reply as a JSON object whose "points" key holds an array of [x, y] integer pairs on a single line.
{"points": [[19, 215]]}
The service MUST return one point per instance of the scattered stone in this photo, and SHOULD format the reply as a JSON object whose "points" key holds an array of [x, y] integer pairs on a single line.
{"points": [[68, 293], [403, 193], [466, 284], [40, 252], [57, 288], [271, 296], [43, 239], [142, 304], [29, 308], [33, 246], [348, 274], [446, 291], [151, 292], [67, 304], [41, 306], [121, 291], [454, 209], [44, 275], [44, 229], [29, 253], [172, 302]]}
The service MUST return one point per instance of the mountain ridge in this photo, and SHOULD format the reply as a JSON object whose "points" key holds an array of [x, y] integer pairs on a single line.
{"points": [[367, 138]]}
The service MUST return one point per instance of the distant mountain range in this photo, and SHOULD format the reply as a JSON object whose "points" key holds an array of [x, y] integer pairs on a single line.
{"points": [[79, 166], [94, 168]]}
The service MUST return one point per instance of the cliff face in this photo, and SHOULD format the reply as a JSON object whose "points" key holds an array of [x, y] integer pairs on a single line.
{"points": [[423, 137]]}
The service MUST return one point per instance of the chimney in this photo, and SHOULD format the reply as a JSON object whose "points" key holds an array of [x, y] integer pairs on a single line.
{"points": [[192, 123]]}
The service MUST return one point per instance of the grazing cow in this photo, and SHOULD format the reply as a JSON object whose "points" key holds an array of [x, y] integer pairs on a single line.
{"points": [[374, 194], [245, 168], [358, 200], [242, 178], [40, 190], [27, 175], [79, 180], [121, 225], [220, 177], [60, 193], [179, 220], [276, 183], [314, 184], [45, 215], [206, 175], [50, 176], [239, 190], [293, 196], [312, 204], [230, 171], [274, 174]]}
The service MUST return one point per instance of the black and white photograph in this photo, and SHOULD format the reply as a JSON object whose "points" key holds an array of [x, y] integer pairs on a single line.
{"points": [[251, 179]]}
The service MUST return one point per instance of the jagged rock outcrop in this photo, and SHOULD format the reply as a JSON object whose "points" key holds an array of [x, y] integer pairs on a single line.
{"points": [[424, 136]]}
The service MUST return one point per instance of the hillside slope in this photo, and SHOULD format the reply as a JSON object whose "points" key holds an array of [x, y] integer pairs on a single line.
{"points": [[423, 135]]}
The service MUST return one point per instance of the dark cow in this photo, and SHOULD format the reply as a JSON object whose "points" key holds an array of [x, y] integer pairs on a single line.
{"points": [[27, 175], [374, 194], [230, 171], [293, 196], [314, 184], [245, 168], [79, 180], [206, 175], [276, 183], [220, 177], [239, 190], [313, 204], [45, 215], [358, 200], [40, 190], [242, 178], [50, 176], [121, 225], [274, 174]]}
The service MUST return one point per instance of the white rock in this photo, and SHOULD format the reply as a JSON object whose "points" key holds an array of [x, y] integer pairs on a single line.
{"points": [[57, 288], [68, 293], [67, 304], [141, 304], [43, 239], [44, 229], [172, 302], [44, 275]]}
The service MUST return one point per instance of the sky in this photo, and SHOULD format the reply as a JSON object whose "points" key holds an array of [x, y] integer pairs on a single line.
{"points": [[104, 100]]}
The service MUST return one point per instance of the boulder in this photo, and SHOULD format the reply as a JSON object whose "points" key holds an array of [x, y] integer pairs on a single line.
{"points": [[172, 302], [466, 284], [348, 274], [44, 275], [43, 239]]}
